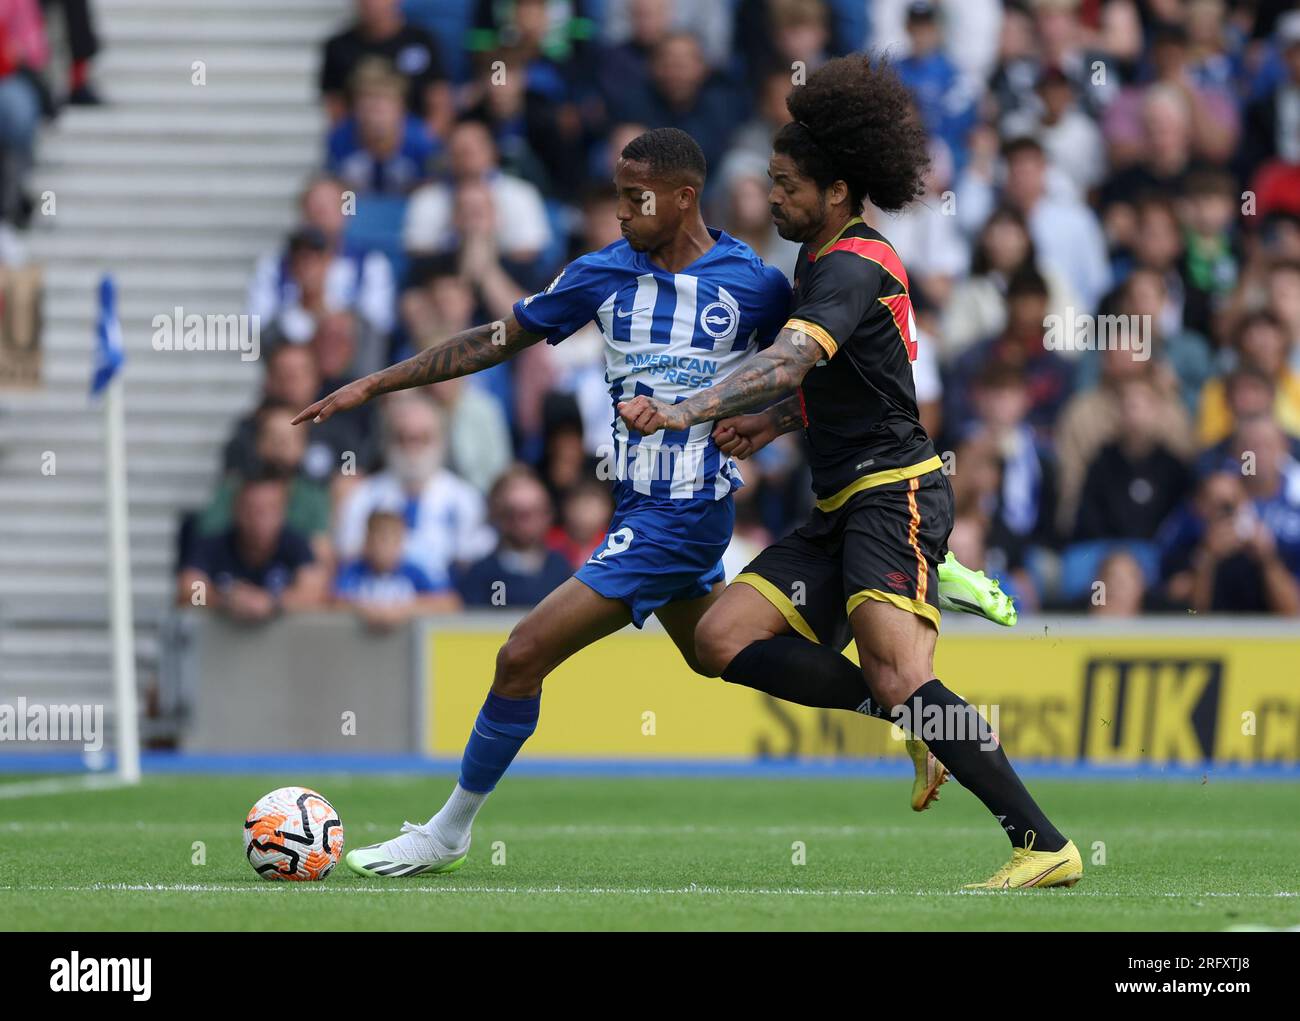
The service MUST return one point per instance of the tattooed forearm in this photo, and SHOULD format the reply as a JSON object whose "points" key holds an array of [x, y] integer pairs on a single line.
{"points": [[786, 416], [768, 375], [459, 355]]}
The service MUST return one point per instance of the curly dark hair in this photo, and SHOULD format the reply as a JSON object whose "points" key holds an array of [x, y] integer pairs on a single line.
{"points": [[854, 121]]}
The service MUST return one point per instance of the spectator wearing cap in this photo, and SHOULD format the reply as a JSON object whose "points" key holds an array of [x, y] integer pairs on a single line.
{"points": [[522, 570], [381, 30], [352, 278], [379, 148]]}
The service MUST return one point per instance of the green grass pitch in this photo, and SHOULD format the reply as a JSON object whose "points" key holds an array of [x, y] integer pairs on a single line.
{"points": [[660, 854]]}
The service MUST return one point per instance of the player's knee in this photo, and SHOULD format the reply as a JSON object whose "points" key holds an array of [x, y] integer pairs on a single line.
{"points": [[715, 646], [891, 682], [520, 665]]}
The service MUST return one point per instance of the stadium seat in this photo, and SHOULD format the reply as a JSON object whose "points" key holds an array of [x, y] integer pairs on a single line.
{"points": [[1081, 564], [377, 226], [449, 20]]}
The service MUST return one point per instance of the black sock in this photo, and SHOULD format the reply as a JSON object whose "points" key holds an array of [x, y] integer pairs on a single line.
{"points": [[963, 741], [805, 673]]}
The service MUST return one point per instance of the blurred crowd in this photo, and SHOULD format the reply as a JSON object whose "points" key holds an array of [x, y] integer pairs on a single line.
{"points": [[30, 94], [1098, 166]]}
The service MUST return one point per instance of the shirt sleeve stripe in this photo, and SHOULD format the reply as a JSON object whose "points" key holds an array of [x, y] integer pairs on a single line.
{"points": [[817, 333]]}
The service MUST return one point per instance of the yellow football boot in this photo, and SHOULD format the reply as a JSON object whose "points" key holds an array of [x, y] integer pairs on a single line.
{"points": [[1028, 867], [931, 774]]}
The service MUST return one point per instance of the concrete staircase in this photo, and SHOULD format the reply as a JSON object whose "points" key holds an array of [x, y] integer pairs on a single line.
{"points": [[175, 187]]}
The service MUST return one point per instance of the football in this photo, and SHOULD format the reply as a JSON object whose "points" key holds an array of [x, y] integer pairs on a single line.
{"points": [[293, 833]]}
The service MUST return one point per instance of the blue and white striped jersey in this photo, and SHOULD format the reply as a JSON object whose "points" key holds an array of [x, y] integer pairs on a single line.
{"points": [[667, 335]]}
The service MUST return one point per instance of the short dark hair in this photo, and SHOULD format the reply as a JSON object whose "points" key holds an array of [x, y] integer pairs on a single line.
{"points": [[854, 121], [670, 153], [1027, 281], [1022, 144]]}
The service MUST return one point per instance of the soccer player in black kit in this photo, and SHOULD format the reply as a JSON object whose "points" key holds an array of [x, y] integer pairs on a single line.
{"points": [[864, 567]]}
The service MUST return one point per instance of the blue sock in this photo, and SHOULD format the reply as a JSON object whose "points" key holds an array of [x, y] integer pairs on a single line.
{"points": [[502, 727]]}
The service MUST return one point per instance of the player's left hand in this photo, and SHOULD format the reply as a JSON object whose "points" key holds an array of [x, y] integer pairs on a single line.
{"points": [[647, 415]]}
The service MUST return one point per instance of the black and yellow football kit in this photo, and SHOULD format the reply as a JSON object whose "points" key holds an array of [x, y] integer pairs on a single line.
{"points": [[884, 507]]}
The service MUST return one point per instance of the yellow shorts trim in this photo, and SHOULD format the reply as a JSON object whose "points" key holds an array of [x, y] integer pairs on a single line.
{"points": [[882, 478], [818, 333], [778, 599], [902, 602]]}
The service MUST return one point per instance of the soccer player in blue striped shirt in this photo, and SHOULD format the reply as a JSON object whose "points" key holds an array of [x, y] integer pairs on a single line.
{"points": [[681, 306]]}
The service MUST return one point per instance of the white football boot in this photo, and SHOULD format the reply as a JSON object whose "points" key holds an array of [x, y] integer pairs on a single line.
{"points": [[414, 852]]}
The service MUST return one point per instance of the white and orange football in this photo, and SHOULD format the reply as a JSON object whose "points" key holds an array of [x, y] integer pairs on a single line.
{"points": [[293, 833]]}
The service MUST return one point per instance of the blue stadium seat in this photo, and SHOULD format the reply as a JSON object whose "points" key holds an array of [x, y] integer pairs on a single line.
{"points": [[377, 226], [1081, 563], [449, 20]]}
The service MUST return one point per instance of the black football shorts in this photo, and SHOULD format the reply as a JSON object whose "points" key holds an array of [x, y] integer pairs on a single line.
{"points": [[882, 542]]}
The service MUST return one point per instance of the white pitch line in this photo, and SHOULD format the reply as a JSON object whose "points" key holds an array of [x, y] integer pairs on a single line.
{"points": [[59, 785], [685, 891], [544, 830]]}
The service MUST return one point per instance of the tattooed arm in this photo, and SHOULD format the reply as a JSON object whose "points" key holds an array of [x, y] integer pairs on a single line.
{"points": [[766, 376], [459, 355], [745, 435]]}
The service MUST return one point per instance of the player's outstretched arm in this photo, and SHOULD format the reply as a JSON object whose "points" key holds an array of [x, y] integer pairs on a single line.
{"points": [[459, 355], [765, 377], [743, 436]]}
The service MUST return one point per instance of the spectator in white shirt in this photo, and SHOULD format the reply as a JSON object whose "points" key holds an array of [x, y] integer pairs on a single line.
{"points": [[348, 277], [445, 515], [523, 230]]}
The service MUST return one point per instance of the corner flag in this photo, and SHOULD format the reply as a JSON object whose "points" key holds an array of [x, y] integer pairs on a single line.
{"points": [[109, 355]]}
